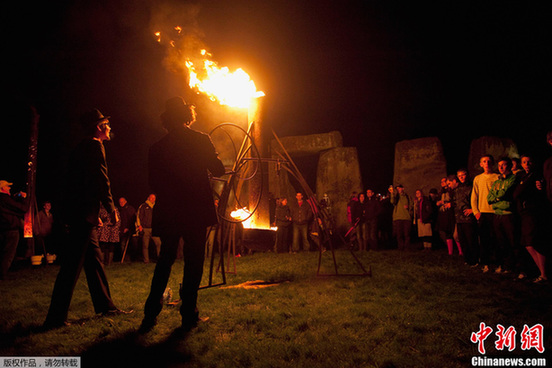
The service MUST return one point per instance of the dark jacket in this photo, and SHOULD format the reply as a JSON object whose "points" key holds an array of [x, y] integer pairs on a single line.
{"points": [[373, 208], [144, 216], [282, 215], [424, 210], [350, 209], [527, 197], [88, 183], [12, 212], [178, 175], [128, 218], [301, 215], [462, 201], [359, 212]]}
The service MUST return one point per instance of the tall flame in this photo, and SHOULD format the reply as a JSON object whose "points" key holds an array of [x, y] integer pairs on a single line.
{"points": [[234, 89]]}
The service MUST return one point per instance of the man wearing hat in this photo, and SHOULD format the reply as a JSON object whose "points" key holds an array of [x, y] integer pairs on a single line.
{"points": [[12, 212], [88, 186], [179, 166]]}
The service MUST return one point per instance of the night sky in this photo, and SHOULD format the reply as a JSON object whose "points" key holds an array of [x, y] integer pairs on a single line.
{"points": [[378, 71]]}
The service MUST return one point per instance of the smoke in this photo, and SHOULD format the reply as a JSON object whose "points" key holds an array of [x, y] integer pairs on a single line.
{"points": [[177, 28]]}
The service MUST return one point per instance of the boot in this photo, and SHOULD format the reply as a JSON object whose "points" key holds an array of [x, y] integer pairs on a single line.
{"points": [[459, 249], [449, 246]]}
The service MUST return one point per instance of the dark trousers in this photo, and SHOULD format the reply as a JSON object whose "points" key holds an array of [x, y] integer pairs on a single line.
{"points": [[505, 240], [467, 234], [126, 245], [82, 250], [42, 245], [372, 231], [282, 239], [300, 236], [401, 229], [9, 239], [194, 255], [362, 235], [486, 237]]}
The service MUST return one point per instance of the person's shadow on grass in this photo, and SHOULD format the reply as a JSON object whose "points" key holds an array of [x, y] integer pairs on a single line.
{"points": [[128, 350], [131, 350]]}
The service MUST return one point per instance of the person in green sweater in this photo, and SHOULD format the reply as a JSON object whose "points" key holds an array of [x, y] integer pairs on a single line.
{"points": [[402, 218]]}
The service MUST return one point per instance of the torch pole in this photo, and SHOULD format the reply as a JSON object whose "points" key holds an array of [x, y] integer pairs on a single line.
{"points": [[259, 183], [31, 182]]}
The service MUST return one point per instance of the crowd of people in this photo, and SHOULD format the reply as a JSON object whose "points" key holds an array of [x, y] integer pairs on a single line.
{"points": [[499, 221], [128, 239], [95, 231]]}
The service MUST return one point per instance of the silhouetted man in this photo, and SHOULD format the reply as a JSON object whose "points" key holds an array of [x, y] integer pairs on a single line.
{"points": [[88, 186], [178, 173]]}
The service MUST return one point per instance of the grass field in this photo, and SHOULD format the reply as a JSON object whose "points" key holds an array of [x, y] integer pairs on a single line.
{"points": [[418, 309]]}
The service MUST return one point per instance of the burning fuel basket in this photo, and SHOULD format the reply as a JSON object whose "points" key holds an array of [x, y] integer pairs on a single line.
{"points": [[261, 240]]}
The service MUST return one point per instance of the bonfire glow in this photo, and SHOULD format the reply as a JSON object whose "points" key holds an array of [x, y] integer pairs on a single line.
{"points": [[230, 88], [234, 89], [242, 214]]}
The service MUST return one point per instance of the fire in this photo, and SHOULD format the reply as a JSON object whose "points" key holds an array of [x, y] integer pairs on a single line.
{"points": [[248, 220], [234, 89], [242, 214], [231, 88]]}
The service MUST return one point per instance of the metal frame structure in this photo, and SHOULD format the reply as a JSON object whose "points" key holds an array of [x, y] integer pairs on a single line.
{"points": [[248, 164], [322, 218]]}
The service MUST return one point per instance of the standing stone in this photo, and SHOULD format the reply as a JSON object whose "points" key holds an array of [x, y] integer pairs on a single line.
{"points": [[419, 164], [310, 144], [339, 175], [338, 171]]}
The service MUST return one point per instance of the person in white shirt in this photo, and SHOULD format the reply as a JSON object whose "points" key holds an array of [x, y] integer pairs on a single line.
{"points": [[482, 210]]}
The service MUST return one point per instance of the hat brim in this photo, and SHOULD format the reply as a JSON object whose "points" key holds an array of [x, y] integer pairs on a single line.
{"points": [[102, 119]]}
